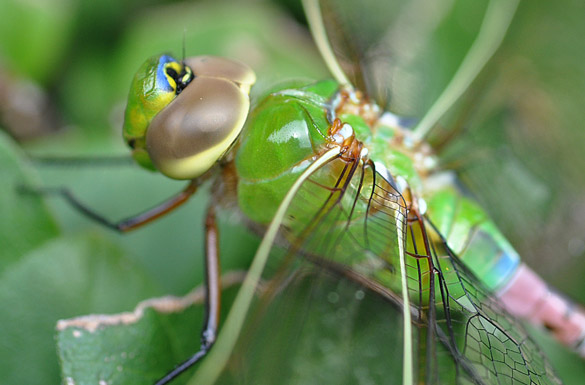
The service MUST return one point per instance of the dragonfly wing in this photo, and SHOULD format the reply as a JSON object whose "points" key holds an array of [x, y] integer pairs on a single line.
{"points": [[311, 321], [333, 302], [404, 54], [465, 334], [318, 329], [356, 40]]}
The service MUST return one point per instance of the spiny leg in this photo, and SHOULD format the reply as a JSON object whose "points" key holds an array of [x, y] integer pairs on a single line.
{"points": [[212, 298], [124, 225]]}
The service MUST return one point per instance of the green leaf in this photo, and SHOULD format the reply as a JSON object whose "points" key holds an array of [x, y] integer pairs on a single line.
{"points": [[135, 347], [312, 329], [64, 278], [568, 365], [26, 223], [34, 35], [44, 277]]}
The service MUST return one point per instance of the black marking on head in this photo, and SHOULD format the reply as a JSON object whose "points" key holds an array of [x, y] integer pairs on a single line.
{"points": [[180, 81]]}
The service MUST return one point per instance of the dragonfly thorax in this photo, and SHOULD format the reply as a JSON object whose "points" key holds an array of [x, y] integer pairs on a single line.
{"points": [[384, 137], [343, 135], [350, 101]]}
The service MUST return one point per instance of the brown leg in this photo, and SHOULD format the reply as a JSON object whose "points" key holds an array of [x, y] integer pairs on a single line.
{"points": [[212, 279], [212, 298], [127, 224]]}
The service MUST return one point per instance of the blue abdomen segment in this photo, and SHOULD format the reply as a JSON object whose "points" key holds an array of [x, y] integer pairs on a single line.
{"points": [[492, 260], [473, 237]]}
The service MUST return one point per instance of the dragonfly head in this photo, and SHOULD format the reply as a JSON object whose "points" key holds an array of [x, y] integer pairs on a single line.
{"points": [[182, 117]]}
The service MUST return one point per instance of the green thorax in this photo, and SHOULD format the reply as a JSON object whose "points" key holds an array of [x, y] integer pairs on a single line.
{"points": [[288, 129], [385, 144], [284, 133]]}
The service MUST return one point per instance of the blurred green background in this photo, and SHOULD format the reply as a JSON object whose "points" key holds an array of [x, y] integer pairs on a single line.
{"points": [[65, 70]]}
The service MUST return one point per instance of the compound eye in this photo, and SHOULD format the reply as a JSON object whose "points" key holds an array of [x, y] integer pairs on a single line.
{"points": [[186, 138]]}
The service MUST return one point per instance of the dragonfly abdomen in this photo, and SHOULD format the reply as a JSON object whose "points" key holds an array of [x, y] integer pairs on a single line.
{"points": [[473, 237], [485, 251], [527, 296]]}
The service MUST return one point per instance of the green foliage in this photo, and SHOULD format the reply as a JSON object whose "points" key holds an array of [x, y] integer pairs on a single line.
{"points": [[23, 215], [135, 347], [56, 264], [46, 276]]}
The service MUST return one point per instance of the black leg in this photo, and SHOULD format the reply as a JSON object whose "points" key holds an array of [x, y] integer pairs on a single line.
{"points": [[82, 161], [124, 225], [212, 298]]}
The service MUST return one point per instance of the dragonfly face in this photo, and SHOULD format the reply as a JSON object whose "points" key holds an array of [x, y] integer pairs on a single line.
{"points": [[158, 81], [182, 116]]}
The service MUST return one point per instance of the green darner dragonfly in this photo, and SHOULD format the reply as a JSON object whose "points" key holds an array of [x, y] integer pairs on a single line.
{"points": [[365, 215]]}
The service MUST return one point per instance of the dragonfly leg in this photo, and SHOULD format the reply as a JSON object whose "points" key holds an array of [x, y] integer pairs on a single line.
{"points": [[212, 298], [81, 161], [125, 225]]}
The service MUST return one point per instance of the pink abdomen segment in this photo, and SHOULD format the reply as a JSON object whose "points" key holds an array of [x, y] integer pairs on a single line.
{"points": [[527, 296]]}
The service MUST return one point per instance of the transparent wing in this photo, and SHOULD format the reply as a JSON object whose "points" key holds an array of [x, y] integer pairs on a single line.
{"points": [[333, 308], [319, 329], [405, 53], [523, 140], [484, 344], [516, 133]]}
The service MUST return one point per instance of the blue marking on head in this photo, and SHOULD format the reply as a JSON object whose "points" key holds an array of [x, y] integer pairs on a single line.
{"points": [[161, 77]]}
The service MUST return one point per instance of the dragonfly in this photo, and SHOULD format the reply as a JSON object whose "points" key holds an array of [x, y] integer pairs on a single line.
{"points": [[349, 188]]}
